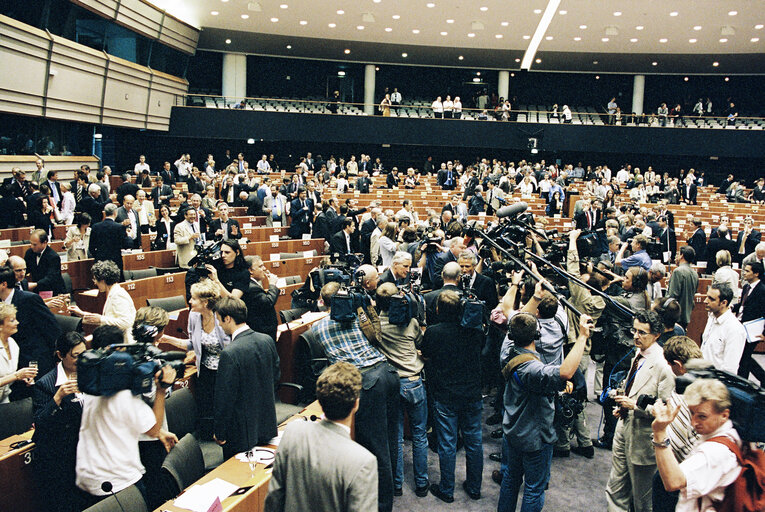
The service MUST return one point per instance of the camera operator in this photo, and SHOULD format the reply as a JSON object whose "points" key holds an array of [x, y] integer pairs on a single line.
{"points": [[639, 257], [109, 433], [436, 257], [230, 273], [529, 410]]}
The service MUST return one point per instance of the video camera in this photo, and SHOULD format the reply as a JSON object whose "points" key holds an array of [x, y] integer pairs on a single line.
{"points": [[104, 372], [207, 254], [747, 411]]}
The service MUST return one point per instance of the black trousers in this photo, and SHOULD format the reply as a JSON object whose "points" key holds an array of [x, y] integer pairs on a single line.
{"points": [[152, 456], [204, 392], [377, 425], [748, 364]]}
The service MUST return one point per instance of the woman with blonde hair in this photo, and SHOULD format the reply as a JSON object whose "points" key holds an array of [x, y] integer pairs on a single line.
{"points": [[9, 354], [726, 274]]}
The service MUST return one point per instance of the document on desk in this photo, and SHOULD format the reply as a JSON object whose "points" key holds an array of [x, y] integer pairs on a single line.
{"points": [[753, 329], [200, 498]]}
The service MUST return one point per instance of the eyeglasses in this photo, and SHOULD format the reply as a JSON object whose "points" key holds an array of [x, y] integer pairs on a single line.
{"points": [[639, 333]]}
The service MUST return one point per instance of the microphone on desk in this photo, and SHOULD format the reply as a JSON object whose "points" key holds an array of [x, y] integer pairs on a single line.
{"points": [[107, 487]]}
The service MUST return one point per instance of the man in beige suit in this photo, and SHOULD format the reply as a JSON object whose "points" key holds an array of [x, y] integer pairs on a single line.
{"points": [[323, 469], [633, 463], [186, 238]]}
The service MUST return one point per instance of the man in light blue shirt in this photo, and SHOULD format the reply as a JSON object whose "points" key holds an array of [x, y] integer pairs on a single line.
{"points": [[639, 257]]}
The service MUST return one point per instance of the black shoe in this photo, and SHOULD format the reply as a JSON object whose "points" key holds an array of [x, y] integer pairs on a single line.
{"points": [[496, 475], [472, 495], [435, 490], [584, 451], [496, 457], [561, 452], [496, 434], [398, 492], [494, 419], [602, 443], [421, 492]]}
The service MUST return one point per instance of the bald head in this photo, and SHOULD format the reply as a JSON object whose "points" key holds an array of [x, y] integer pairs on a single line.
{"points": [[19, 267], [369, 282], [451, 273]]}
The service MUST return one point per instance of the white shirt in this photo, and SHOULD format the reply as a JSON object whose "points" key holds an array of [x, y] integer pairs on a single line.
{"points": [[238, 331], [140, 167], [723, 341], [264, 166], [108, 445], [437, 106], [7, 367], [708, 470], [67, 206], [728, 275], [448, 105]]}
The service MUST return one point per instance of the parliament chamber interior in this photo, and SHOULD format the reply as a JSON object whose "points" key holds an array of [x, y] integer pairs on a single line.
{"points": [[262, 256]]}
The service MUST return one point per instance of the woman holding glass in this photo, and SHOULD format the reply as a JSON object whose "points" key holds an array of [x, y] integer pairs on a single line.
{"points": [[9, 354], [78, 238]]}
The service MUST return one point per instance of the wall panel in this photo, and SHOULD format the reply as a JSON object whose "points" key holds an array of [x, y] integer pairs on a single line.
{"points": [[126, 94], [23, 59], [76, 89]]}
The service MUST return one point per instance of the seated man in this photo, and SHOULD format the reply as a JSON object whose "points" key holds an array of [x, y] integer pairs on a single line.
{"points": [[324, 470], [712, 464]]}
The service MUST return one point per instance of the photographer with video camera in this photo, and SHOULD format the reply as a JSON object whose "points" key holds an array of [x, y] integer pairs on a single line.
{"points": [[108, 455]]}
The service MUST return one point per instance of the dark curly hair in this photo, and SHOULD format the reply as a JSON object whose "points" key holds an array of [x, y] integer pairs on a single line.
{"points": [[337, 389]]}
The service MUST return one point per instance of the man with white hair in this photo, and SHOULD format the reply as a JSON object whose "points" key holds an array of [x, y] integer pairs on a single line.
{"points": [[656, 273], [398, 273], [91, 204], [757, 256]]}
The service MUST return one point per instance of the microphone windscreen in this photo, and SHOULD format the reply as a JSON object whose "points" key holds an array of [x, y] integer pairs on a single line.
{"points": [[512, 210], [106, 487], [175, 355]]}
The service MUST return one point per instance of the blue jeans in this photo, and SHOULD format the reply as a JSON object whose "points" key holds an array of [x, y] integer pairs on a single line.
{"points": [[467, 417], [414, 400], [530, 468]]}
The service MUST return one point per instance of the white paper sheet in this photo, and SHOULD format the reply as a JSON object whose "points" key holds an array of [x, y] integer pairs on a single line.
{"points": [[199, 498], [754, 329]]}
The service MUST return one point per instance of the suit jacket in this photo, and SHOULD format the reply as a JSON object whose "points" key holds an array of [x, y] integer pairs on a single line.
{"points": [[163, 234], [17, 188], [46, 273], [268, 206], [156, 192], [216, 224], [122, 215], [388, 277], [11, 212], [431, 298], [688, 196], [321, 227], [196, 186], [38, 331], [126, 189], [300, 218], [185, 246], [718, 244], [261, 312], [655, 378], [391, 180], [758, 193], [363, 184], [107, 238], [486, 290], [751, 241], [245, 414], [337, 244], [477, 205], [93, 208], [754, 307], [668, 242], [682, 286], [319, 468], [699, 243]]}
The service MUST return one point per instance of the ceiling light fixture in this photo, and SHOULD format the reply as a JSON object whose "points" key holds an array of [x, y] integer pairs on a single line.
{"points": [[498, 36], [604, 39], [461, 57], [617, 13], [405, 55], [444, 33], [340, 11], [228, 41], [544, 24], [396, 16], [483, 9], [527, 37], [303, 22], [639, 27], [692, 40], [732, 13], [284, 6], [673, 13], [697, 27], [388, 29], [759, 26], [512, 74], [347, 51], [538, 61], [289, 46], [537, 11], [332, 25], [754, 39], [583, 27], [634, 40], [245, 16], [517, 60], [274, 20], [562, 12], [727, 79], [595, 62], [431, 5], [597, 77], [449, 21], [685, 79], [654, 63], [723, 40], [715, 64], [415, 31], [471, 34], [214, 13], [504, 23], [663, 40], [359, 27], [549, 38], [577, 38]]}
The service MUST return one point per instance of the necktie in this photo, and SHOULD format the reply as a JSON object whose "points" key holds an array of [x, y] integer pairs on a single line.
{"points": [[744, 295], [79, 193], [631, 376]]}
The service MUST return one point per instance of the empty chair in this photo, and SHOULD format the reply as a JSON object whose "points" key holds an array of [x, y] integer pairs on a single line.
{"points": [[67, 282], [183, 465], [127, 499], [310, 360], [168, 303], [15, 417], [288, 315], [69, 323], [284, 410], [161, 271], [132, 275], [181, 410]]}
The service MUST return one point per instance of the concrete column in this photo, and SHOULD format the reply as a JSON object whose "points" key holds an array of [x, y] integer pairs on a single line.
{"points": [[234, 77], [503, 84], [638, 93], [369, 89]]}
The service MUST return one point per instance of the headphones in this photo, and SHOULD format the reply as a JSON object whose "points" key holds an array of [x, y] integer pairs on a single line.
{"points": [[537, 334]]}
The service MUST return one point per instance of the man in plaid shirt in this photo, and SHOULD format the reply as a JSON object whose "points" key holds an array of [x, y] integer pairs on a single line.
{"points": [[377, 417]]}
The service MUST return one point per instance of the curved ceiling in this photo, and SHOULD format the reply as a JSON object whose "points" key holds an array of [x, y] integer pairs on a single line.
{"points": [[680, 32]]}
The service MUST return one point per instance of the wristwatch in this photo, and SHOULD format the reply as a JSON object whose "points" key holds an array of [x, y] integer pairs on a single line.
{"points": [[660, 444]]}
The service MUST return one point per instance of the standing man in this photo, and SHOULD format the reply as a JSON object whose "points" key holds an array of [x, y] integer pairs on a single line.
{"points": [[633, 464], [300, 212], [248, 370], [162, 193], [639, 256], [224, 227], [667, 239], [187, 238], [128, 217], [107, 238], [260, 297], [698, 241], [43, 265], [275, 207], [683, 283], [141, 166], [747, 239], [484, 287], [343, 242], [751, 307], [724, 337], [318, 467]]}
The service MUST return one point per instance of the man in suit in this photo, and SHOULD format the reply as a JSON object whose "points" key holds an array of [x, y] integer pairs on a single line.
{"points": [[43, 265], [323, 469], [698, 240], [747, 239], [53, 186], [343, 242], [19, 266], [167, 174], [451, 279], [275, 207], [667, 239], [495, 197], [40, 174], [364, 183], [301, 210], [398, 273], [476, 203], [585, 220], [484, 287], [633, 464], [127, 188], [79, 188], [17, 183], [107, 238], [161, 194], [37, 332], [204, 216], [187, 237], [312, 193], [683, 284], [751, 307], [758, 192], [128, 217], [392, 180], [224, 227], [57, 416], [248, 370], [92, 204], [757, 256], [719, 243], [260, 297], [689, 191]]}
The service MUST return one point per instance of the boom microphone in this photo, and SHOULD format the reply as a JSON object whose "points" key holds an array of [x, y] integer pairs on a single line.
{"points": [[512, 210]]}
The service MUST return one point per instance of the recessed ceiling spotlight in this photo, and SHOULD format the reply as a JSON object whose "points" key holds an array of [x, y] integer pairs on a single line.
{"points": [[538, 61], [758, 27], [595, 62], [431, 5], [604, 39], [562, 12], [444, 33], [388, 29], [449, 21], [504, 23], [639, 27], [724, 40], [396, 16], [228, 41], [527, 37], [634, 40], [512, 74], [727, 79], [347, 51], [715, 64], [274, 20], [245, 16], [498, 36], [214, 13], [477, 73], [415, 31], [673, 13], [583, 27], [377, 68], [461, 57], [654, 63], [549, 38], [692, 40], [332, 25], [484, 8], [537, 11], [405, 55], [617, 13], [224, 1], [597, 77], [471, 34], [754, 39], [577, 38], [359, 27], [341, 73], [284, 6], [517, 60], [377, 1], [340, 11], [663, 40], [303, 22], [289, 46], [697, 27], [732, 13]]}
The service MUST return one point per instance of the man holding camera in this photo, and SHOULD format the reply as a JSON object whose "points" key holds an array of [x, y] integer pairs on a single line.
{"points": [[639, 256]]}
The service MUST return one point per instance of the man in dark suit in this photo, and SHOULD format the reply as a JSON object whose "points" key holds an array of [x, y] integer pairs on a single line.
{"points": [[312, 193], [343, 242], [37, 332], [747, 239], [57, 416], [719, 243], [450, 275], [107, 238], [167, 174], [161, 194], [392, 180], [698, 240], [758, 192], [43, 265], [92, 204], [79, 187], [689, 191], [11, 208], [363, 183], [248, 370], [667, 239], [126, 189], [204, 216], [300, 214], [19, 266], [398, 273], [17, 183], [585, 220], [751, 307], [224, 227], [476, 203], [484, 287], [260, 298]]}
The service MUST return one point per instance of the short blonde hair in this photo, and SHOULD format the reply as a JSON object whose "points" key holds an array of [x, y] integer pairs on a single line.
{"points": [[6, 311], [152, 315], [722, 258], [708, 390], [206, 290]]}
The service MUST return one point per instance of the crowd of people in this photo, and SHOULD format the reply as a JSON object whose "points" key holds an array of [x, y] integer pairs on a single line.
{"points": [[525, 349]]}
